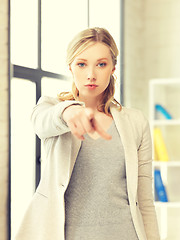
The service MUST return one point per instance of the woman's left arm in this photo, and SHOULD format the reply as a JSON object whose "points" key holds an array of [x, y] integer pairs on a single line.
{"points": [[145, 194]]}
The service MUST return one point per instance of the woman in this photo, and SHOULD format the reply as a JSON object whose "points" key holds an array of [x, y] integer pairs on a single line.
{"points": [[97, 183]]}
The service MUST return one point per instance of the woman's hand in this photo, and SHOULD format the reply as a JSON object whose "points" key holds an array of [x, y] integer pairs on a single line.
{"points": [[82, 120]]}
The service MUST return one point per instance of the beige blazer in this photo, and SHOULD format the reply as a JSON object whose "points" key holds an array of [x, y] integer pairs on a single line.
{"points": [[45, 216]]}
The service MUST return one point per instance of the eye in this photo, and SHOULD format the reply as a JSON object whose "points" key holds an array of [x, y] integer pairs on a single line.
{"points": [[81, 64], [102, 64]]}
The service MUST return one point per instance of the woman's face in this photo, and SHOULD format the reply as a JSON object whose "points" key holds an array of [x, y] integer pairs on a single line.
{"points": [[91, 70]]}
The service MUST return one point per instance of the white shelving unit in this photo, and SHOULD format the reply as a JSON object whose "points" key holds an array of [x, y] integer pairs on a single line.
{"points": [[166, 92]]}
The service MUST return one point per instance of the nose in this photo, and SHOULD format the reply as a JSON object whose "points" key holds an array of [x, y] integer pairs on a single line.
{"points": [[91, 75]]}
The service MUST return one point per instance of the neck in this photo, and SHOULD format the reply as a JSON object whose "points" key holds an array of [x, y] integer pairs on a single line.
{"points": [[91, 103]]}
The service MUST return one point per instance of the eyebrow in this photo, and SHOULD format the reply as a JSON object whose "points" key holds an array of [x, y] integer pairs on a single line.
{"points": [[82, 59], [102, 59]]}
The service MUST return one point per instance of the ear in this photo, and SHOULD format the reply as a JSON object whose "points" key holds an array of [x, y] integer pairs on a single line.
{"points": [[70, 68], [113, 70]]}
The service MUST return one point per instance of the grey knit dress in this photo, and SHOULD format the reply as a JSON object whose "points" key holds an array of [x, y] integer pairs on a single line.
{"points": [[96, 200]]}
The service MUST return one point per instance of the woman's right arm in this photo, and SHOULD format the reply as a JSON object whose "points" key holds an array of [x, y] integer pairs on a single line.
{"points": [[47, 117]]}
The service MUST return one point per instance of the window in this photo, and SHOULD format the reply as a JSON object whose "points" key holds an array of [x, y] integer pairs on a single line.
{"points": [[24, 33], [68, 18], [23, 94], [40, 31]]}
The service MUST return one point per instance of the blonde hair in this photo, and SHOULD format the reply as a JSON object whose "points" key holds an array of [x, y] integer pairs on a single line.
{"points": [[81, 42]]}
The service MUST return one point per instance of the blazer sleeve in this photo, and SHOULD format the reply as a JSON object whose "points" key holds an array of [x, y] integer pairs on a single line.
{"points": [[145, 194], [47, 119]]}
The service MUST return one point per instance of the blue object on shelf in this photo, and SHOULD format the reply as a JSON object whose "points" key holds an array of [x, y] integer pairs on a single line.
{"points": [[159, 186], [162, 110]]}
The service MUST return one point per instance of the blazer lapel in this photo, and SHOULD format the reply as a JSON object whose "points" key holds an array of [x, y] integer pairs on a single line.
{"points": [[125, 130]]}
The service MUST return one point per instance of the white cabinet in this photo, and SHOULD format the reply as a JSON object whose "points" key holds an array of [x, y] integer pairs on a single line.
{"points": [[166, 93]]}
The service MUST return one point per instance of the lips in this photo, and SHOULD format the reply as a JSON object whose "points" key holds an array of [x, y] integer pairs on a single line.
{"points": [[91, 86]]}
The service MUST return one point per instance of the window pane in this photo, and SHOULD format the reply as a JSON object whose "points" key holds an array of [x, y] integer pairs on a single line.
{"points": [[52, 87], [23, 96], [61, 20], [24, 32], [109, 18]]}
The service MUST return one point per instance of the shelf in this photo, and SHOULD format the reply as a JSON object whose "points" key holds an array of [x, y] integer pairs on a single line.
{"points": [[167, 204], [165, 81], [167, 164], [166, 92], [166, 122]]}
